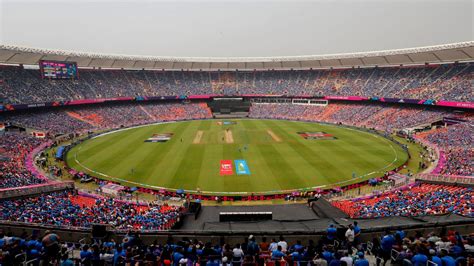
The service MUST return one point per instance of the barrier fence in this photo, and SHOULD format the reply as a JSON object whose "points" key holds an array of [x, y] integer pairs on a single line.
{"points": [[35, 189], [450, 179]]}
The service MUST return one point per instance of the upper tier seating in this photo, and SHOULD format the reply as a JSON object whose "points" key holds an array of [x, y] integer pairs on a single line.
{"points": [[451, 82]]}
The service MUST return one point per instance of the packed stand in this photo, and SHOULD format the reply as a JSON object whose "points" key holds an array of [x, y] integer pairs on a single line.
{"points": [[80, 119], [54, 122], [360, 115], [332, 248], [452, 82], [457, 143], [14, 148], [425, 199], [64, 209]]}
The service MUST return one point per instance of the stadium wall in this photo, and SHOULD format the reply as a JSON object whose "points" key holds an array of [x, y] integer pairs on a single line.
{"points": [[236, 236], [164, 99]]}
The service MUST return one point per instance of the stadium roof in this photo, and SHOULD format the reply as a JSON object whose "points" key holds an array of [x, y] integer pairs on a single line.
{"points": [[446, 53]]}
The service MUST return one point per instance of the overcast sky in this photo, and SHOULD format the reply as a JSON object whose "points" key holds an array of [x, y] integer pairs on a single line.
{"points": [[234, 28]]}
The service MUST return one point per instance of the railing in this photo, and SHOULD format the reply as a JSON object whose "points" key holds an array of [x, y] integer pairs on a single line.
{"points": [[451, 179], [35, 189]]}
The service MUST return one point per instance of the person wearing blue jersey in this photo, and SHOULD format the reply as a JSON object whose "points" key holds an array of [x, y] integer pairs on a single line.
{"points": [[177, 256], [357, 232], [434, 258], [419, 259], [278, 254], [387, 243], [361, 260], [446, 259], [331, 233]]}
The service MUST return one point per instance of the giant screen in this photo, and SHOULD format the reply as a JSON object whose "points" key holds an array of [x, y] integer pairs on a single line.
{"points": [[58, 70]]}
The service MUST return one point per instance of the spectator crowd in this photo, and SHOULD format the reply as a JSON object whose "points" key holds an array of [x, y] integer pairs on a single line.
{"points": [[424, 199], [64, 209], [81, 119], [457, 144], [386, 118], [450, 82], [14, 147], [347, 249]]}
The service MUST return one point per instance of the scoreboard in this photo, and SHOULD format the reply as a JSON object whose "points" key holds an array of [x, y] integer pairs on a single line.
{"points": [[58, 70]]}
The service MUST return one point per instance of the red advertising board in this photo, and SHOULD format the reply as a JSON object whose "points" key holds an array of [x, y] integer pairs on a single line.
{"points": [[226, 167]]}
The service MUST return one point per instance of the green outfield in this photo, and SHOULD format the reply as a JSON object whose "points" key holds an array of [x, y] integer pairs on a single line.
{"points": [[279, 155]]}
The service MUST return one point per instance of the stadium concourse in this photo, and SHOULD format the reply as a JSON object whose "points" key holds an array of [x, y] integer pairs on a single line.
{"points": [[320, 235]]}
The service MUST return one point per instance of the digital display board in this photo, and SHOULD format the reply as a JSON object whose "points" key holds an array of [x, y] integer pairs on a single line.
{"points": [[58, 70]]}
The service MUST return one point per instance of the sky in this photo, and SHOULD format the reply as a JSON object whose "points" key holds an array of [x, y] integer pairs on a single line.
{"points": [[229, 28]]}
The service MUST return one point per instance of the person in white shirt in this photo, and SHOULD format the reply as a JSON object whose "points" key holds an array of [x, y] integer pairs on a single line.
{"points": [[282, 243], [350, 236], [347, 258], [238, 252], [273, 246]]}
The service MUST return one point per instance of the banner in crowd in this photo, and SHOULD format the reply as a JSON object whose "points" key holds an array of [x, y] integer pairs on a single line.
{"points": [[204, 96], [261, 95], [397, 100], [39, 134], [153, 98], [456, 104], [87, 101], [346, 98]]}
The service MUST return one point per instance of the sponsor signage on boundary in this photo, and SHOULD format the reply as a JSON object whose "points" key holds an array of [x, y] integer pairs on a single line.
{"points": [[226, 167], [241, 167], [316, 135], [160, 137], [346, 98], [226, 123]]}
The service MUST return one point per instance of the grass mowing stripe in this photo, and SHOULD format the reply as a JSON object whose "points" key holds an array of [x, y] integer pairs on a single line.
{"points": [[371, 155], [91, 147], [108, 159], [154, 163], [290, 164], [248, 124], [319, 161], [209, 176], [283, 172], [143, 156], [258, 166], [186, 177], [205, 125], [124, 152], [263, 175], [379, 160]]}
